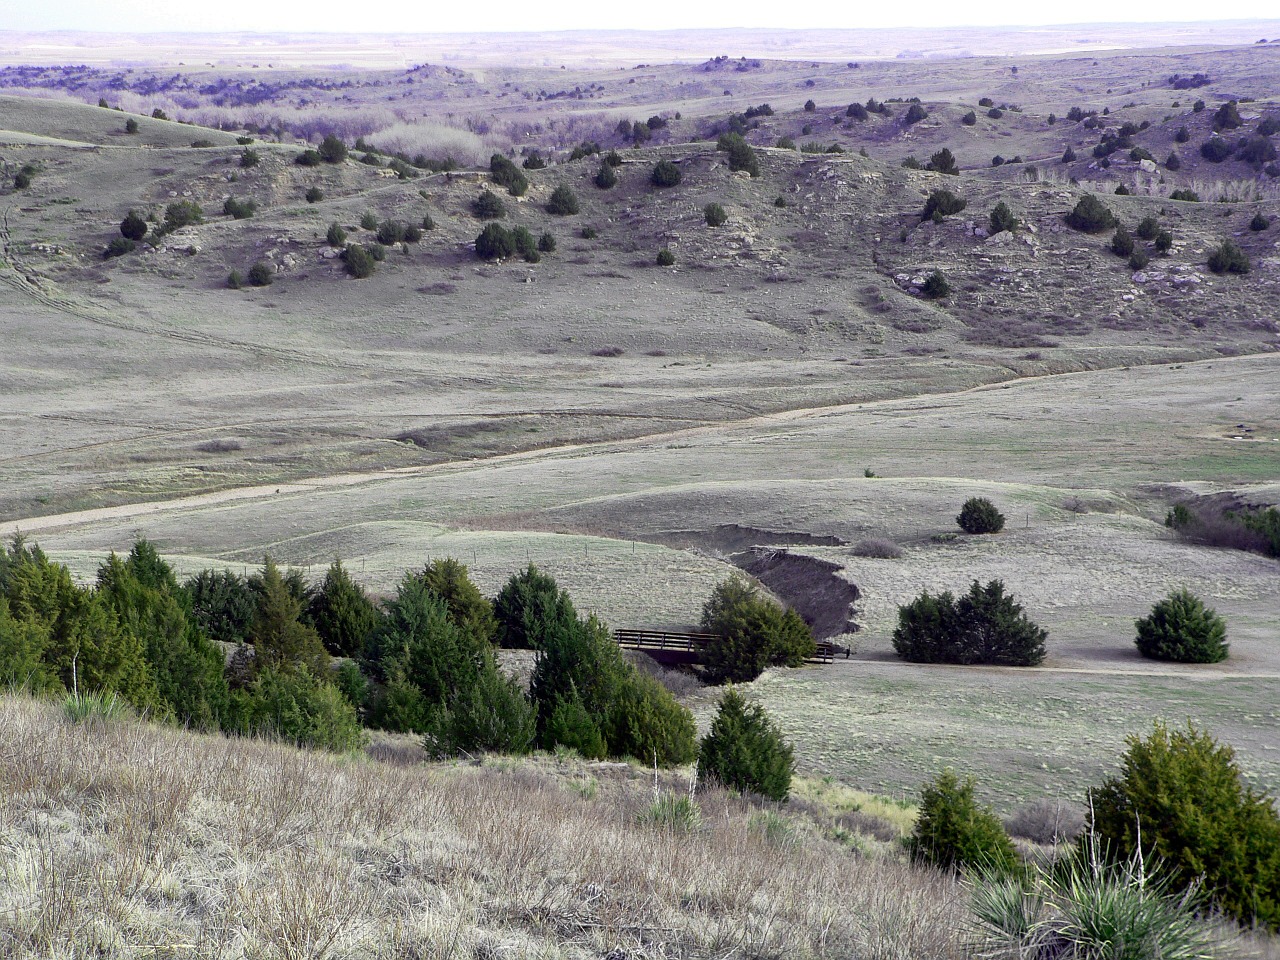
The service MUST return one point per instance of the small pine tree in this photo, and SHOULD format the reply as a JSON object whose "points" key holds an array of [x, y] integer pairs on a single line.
{"points": [[715, 215], [1148, 227], [605, 177], [1068, 155], [745, 751], [313, 195], [332, 150], [279, 636], [342, 613], [489, 206], [527, 602], [1121, 242], [336, 236], [915, 113], [261, 274], [546, 243], [666, 258], [943, 161], [665, 174], [495, 242], [1259, 222], [1228, 258], [942, 203], [1090, 216], [952, 831], [935, 286], [469, 610], [131, 125], [249, 158], [1182, 629], [1002, 219], [751, 633], [969, 119], [358, 260]]}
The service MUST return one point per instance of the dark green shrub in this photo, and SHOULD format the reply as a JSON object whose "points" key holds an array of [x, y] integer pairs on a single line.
{"points": [[986, 102], [1121, 242], [1148, 227], [741, 154], [221, 604], [313, 195], [527, 600], [489, 206], [983, 626], [342, 613], [1173, 162], [377, 251], [23, 647], [935, 286], [942, 203], [952, 831], [810, 106], [780, 202], [507, 174], [1068, 155], [427, 222], [308, 158], [1002, 219], [1183, 135], [546, 243], [751, 633], [1185, 196], [715, 215], [785, 143], [613, 158], [525, 245], [745, 751], [359, 262], [118, 247], [412, 233], [534, 161], [570, 725], [665, 258], [588, 233], [390, 232], [131, 125], [249, 158], [495, 242], [1163, 241], [605, 177], [1090, 216], [979, 515], [182, 213], [969, 119], [563, 202], [915, 113], [261, 274], [665, 174], [995, 113], [646, 721], [1182, 629], [1182, 800], [1138, 260], [1215, 150], [1122, 191], [368, 220], [133, 227], [336, 236], [238, 208], [943, 161], [468, 609], [1227, 117], [1259, 222], [488, 714], [1228, 258], [332, 150], [158, 114]]}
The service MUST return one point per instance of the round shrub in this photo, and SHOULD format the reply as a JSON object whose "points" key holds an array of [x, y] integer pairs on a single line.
{"points": [[715, 215], [1090, 216], [489, 206], [495, 242], [359, 262], [118, 247], [1215, 150], [969, 119], [1181, 797], [131, 125], [133, 227], [546, 243], [1148, 227], [935, 286], [666, 258], [1182, 629], [336, 236], [983, 626], [751, 633], [332, 150], [1121, 242], [745, 751], [368, 220], [979, 515], [1259, 222], [314, 195], [563, 202], [235, 280], [308, 158], [665, 174], [1228, 258], [1163, 241], [952, 831], [249, 158], [261, 274], [942, 203], [1002, 219], [1185, 196], [915, 113], [390, 232], [1068, 155], [1138, 260]]}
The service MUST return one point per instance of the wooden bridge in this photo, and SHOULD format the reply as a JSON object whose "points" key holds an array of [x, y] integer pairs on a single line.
{"points": [[674, 648]]}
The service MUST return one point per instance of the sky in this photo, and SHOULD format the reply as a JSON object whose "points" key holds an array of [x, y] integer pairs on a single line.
{"points": [[422, 16]]}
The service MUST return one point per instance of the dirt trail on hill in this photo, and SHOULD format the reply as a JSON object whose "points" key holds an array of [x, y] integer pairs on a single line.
{"points": [[38, 524]]}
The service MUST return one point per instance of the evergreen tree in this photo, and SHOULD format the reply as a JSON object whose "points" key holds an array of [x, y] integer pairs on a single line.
{"points": [[221, 604], [605, 177], [280, 638], [953, 831], [133, 226], [1002, 219], [342, 613], [1182, 629], [943, 161], [745, 751], [751, 633], [468, 608], [665, 174], [332, 150], [23, 645], [563, 202], [527, 601], [983, 626]]}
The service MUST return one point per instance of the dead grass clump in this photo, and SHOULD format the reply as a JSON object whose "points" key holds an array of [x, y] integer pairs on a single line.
{"points": [[877, 549], [681, 683], [219, 446], [608, 352], [1046, 821]]}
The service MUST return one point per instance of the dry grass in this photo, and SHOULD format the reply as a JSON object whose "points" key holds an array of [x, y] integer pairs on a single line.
{"points": [[125, 840]]}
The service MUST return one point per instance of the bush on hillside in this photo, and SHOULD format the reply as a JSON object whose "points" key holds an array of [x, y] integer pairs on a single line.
{"points": [[468, 609], [943, 161], [1121, 242], [715, 215], [261, 274], [941, 203], [336, 236], [292, 705], [489, 206], [952, 831], [665, 174], [1002, 219], [133, 226], [131, 125], [506, 174], [935, 286], [528, 598], [119, 247], [182, 213], [605, 177], [221, 604], [1138, 260], [665, 258], [1068, 155], [250, 158], [238, 208], [1182, 629], [751, 633], [390, 232], [1182, 800], [1215, 150], [332, 150], [741, 154], [495, 242], [309, 158], [745, 751], [534, 161], [342, 613], [313, 195], [969, 119], [1147, 228], [1259, 222], [984, 626], [1228, 258], [546, 243], [359, 261], [563, 202], [915, 113], [1090, 216], [979, 515]]}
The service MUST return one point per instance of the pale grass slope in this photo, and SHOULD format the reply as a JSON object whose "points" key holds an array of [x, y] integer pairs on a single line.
{"points": [[120, 839]]}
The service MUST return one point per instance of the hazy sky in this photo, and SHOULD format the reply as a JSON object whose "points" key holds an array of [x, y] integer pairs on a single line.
{"points": [[421, 16]]}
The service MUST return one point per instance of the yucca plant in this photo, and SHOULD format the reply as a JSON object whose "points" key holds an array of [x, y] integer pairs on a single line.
{"points": [[99, 706]]}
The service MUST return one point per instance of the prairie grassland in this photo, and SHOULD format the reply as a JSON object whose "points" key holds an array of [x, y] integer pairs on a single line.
{"points": [[120, 839]]}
